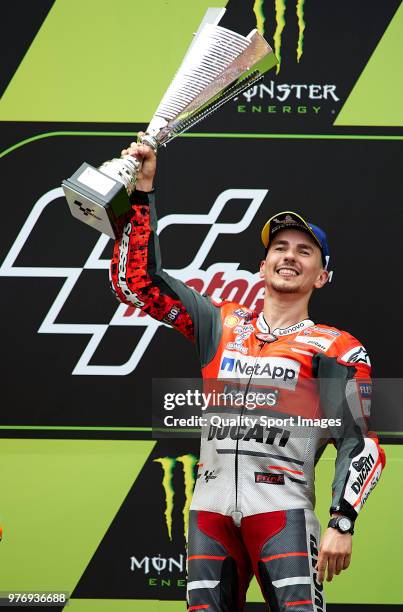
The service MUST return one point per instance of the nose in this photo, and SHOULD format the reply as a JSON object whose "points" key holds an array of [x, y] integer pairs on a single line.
{"points": [[289, 254]]}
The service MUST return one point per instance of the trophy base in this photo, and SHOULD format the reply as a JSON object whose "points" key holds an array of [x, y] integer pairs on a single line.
{"points": [[96, 199]]}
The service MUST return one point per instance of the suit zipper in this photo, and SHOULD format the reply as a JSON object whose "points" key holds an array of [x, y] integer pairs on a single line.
{"points": [[237, 514]]}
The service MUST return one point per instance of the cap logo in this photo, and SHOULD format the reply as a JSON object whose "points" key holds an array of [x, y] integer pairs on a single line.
{"points": [[287, 219]]}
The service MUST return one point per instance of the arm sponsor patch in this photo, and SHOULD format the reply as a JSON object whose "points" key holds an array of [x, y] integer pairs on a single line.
{"points": [[358, 354]]}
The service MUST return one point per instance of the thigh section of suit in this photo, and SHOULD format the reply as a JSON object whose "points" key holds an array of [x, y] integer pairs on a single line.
{"points": [[219, 570], [283, 547]]}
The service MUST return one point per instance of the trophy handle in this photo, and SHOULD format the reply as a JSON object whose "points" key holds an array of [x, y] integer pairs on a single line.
{"points": [[148, 140], [124, 170]]}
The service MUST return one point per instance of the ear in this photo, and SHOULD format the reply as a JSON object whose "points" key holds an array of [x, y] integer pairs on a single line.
{"points": [[261, 268], [321, 279]]}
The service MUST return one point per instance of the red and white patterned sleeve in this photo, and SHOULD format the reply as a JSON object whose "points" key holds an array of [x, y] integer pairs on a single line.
{"points": [[138, 279]]}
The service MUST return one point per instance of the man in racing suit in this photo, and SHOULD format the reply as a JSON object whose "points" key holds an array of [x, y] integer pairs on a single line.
{"points": [[256, 514]]}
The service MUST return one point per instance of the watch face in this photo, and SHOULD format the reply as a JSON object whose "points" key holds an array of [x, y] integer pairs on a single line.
{"points": [[344, 524]]}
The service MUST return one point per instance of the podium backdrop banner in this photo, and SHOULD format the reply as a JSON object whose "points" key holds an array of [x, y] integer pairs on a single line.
{"points": [[320, 135]]}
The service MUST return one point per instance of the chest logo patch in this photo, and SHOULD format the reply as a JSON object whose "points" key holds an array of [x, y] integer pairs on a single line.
{"points": [[317, 341], [279, 371]]}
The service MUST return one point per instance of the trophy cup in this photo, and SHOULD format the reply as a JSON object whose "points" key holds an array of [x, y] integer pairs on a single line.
{"points": [[218, 66]]}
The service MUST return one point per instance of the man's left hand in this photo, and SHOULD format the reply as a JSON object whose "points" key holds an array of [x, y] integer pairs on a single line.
{"points": [[335, 553]]}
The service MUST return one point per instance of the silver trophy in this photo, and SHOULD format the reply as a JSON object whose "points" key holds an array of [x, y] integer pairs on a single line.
{"points": [[218, 66]]}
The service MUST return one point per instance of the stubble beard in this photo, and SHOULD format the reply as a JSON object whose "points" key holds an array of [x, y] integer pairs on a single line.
{"points": [[282, 287]]}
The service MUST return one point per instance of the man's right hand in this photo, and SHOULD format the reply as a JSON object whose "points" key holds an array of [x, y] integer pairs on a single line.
{"points": [[145, 154]]}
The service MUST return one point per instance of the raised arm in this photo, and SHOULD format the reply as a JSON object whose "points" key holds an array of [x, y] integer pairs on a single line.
{"points": [[137, 276]]}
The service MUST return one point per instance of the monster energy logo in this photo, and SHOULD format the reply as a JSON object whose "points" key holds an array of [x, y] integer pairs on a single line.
{"points": [[168, 465], [279, 6]]}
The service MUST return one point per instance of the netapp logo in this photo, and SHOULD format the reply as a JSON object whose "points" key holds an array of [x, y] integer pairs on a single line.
{"points": [[281, 372]]}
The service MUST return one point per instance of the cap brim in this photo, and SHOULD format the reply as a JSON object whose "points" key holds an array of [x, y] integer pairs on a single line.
{"points": [[298, 223]]}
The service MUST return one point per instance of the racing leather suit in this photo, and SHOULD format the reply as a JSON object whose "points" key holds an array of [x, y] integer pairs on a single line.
{"points": [[253, 505]]}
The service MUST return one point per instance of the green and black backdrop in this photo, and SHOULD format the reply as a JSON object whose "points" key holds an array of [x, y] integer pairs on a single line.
{"points": [[90, 503]]}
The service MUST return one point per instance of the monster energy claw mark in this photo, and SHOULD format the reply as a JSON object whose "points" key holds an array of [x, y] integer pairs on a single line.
{"points": [[168, 465], [301, 28], [280, 24], [280, 6], [260, 18]]}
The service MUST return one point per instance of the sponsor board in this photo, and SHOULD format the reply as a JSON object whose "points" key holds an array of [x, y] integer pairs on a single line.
{"points": [[260, 8], [168, 571], [298, 99], [273, 97], [142, 554], [223, 281], [158, 564], [188, 463]]}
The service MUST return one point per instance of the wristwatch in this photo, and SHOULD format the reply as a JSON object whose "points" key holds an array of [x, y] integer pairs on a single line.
{"points": [[342, 524]]}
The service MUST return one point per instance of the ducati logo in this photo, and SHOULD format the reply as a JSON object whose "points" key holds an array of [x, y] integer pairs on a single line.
{"points": [[221, 280]]}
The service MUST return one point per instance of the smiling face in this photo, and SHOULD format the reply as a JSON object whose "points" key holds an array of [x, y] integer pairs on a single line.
{"points": [[293, 264]]}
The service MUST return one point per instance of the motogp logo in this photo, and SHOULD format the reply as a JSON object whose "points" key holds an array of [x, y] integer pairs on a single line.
{"points": [[221, 280]]}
